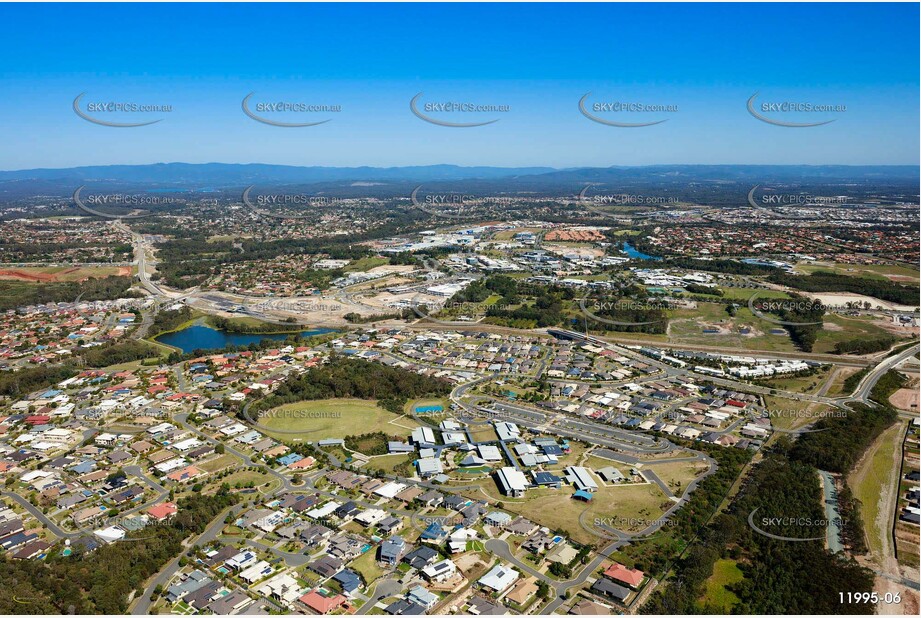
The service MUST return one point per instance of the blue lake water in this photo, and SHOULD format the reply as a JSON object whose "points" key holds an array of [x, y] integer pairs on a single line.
{"points": [[200, 337], [632, 252]]}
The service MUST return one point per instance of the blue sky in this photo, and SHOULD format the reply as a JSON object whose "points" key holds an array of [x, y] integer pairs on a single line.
{"points": [[537, 59]]}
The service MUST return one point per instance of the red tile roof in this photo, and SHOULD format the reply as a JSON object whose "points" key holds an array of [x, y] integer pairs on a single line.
{"points": [[317, 602], [631, 577], [163, 510]]}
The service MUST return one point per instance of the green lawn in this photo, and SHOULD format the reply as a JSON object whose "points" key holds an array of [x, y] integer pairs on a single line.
{"points": [[244, 478], [219, 463], [632, 506], [366, 263], [800, 384], [792, 413], [387, 463], [716, 598], [335, 418], [864, 271], [842, 328], [367, 566], [746, 293], [875, 471]]}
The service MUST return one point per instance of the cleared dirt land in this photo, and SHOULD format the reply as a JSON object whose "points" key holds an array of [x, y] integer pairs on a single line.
{"points": [[906, 398], [54, 274]]}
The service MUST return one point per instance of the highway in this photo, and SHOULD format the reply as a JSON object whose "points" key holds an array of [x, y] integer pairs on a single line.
{"points": [[346, 296], [866, 385]]}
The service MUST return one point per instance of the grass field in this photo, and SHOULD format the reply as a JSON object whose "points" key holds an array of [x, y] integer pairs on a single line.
{"points": [[791, 413], [842, 328], [483, 433], [576, 450], [837, 385], [626, 233], [335, 418], [891, 272], [367, 566], [678, 475], [161, 348], [387, 463], [556, 508], [716, 598], [687, 327], [870, 481], [244, 477], [596, 463], [366, 263], [800, 384], [219, 463], [746, 293]]}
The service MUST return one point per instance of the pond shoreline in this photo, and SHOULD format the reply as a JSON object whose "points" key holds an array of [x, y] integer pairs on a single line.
{"points": [[200, 334]]}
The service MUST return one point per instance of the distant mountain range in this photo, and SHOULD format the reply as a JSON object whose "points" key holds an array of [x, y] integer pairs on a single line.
{"points": [[232, 174], [689, 180]]}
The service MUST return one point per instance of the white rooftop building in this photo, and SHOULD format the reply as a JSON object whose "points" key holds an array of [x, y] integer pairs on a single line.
{"points": [[512, 482], [499, 578]]}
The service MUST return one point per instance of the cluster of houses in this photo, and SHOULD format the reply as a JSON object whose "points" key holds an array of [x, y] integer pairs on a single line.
{"points": [[910, 512], [669, 406], [721, 365], [349, 517], [40, 334], [483, 352]]}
